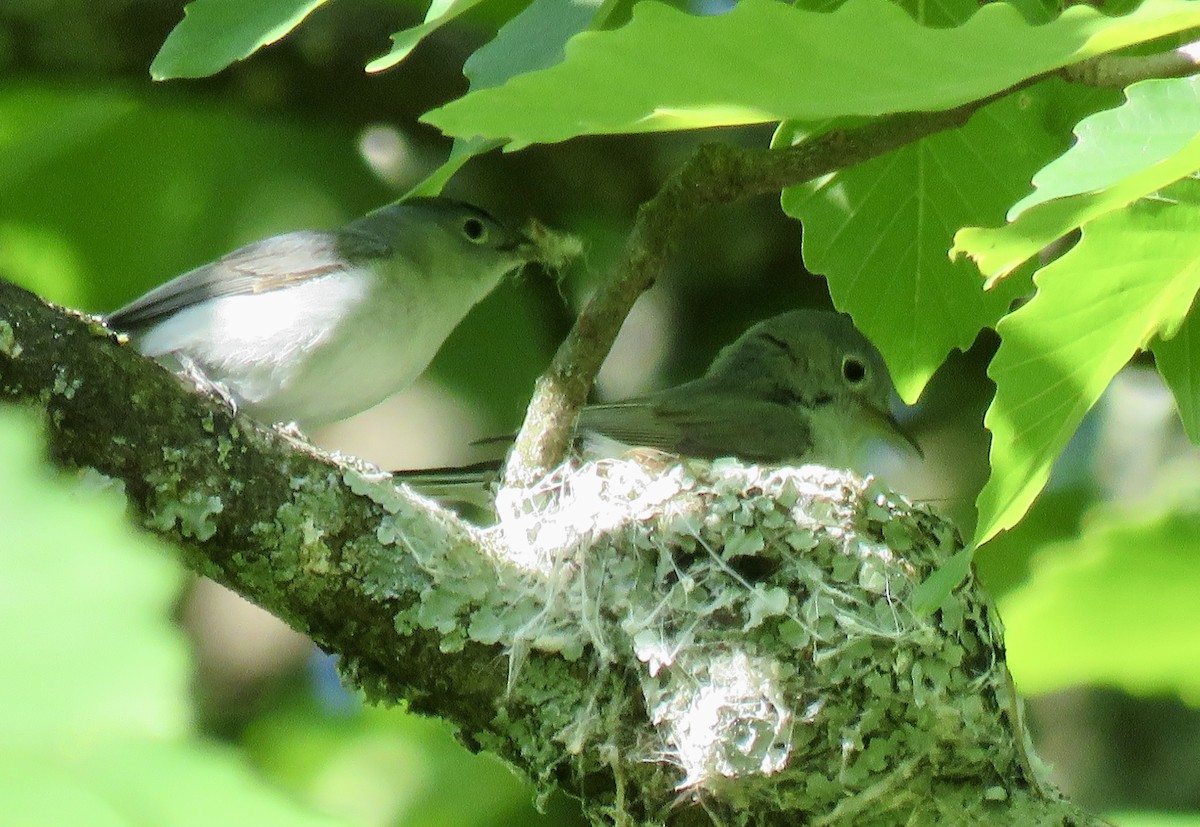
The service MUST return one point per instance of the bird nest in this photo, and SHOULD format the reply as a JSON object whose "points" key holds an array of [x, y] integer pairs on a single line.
{"points": [[767, 618]]}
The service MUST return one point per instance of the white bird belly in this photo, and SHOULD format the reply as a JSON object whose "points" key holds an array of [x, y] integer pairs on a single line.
{"points": [[316, 352], [258, 345]]}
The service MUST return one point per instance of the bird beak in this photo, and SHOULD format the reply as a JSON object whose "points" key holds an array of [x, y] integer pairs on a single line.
{"points": [[890, 428], [908, 438], [523, 247]]}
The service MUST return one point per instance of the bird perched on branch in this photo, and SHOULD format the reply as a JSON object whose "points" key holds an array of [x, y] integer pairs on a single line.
{"points": [[313, 326]]}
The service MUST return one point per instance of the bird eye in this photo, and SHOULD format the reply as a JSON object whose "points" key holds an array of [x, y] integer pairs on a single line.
{"points": [[853, 370], [474, 230]]}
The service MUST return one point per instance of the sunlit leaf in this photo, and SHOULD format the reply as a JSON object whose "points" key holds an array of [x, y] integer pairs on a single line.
{"points": [[95, 721], [531, 40], [1178, 360], [1158, 119], [997, 252], [1115, 607], [1133, 275], [767, 61], [216, 33], [878, 231], [439, 14]]}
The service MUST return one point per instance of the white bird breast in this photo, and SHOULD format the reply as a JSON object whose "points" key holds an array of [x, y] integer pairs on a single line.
{"points": [[313, 352]]}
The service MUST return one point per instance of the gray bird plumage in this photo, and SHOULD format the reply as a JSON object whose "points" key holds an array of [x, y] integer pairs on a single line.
{"points": [[313, 326], [802, 387]]}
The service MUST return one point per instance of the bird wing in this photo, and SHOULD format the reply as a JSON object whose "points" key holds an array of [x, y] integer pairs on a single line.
{"points": [[478, 473], [255, 268], [706, 425], [470, 484]]}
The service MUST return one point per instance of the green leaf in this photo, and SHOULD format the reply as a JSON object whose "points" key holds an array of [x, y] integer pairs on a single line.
{"points": [[84, 608], [387, 766], [1158, 119], [1133, 275], [885, 256], [95, 723], [999, 251], [531, 40], [935, 588], [216, 33], [766, 61], [1178, 360], [439, 14], [1151, 819], [191, 784], [1115, 607], [1004, 562]]}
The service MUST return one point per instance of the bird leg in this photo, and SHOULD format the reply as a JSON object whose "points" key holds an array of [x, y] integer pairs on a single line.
{"points": [[193, 373]]}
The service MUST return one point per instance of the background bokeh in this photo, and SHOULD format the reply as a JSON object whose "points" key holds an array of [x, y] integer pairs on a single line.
{"points": [[110, 183]]}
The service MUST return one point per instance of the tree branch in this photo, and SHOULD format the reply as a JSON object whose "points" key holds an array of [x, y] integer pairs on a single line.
{"points": [[312, 540], [1118, 71], [688, 644]]}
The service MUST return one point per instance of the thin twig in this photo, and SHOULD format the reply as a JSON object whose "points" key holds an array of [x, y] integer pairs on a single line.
{"points": [[1118, 71]]}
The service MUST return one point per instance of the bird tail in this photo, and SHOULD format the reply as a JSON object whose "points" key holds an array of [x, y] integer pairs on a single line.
{"points": [[456, 483]]}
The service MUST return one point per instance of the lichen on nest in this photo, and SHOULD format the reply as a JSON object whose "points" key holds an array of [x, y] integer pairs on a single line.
{"points": [[766, 615]]}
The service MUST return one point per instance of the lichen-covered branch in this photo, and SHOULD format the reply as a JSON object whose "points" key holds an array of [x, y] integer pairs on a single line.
{"points": [[676, 644], [333, 549]]}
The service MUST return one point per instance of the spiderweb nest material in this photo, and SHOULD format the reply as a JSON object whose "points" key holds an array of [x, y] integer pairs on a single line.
{"points": [[764, 614]]}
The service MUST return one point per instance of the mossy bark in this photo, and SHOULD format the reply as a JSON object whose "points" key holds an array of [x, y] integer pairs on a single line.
{"points": [[693, 643]]}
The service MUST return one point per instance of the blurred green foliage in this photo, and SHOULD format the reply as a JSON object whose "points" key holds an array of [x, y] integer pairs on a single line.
{"points": [[1139, 572], [134, 187], [1155, 820], [381, 766], [110, 184], [107, 192], [96, 719]]}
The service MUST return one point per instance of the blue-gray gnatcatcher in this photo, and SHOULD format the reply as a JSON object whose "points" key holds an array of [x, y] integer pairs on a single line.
{"points": [[804, 386], [801, 387], [314, 326]]}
